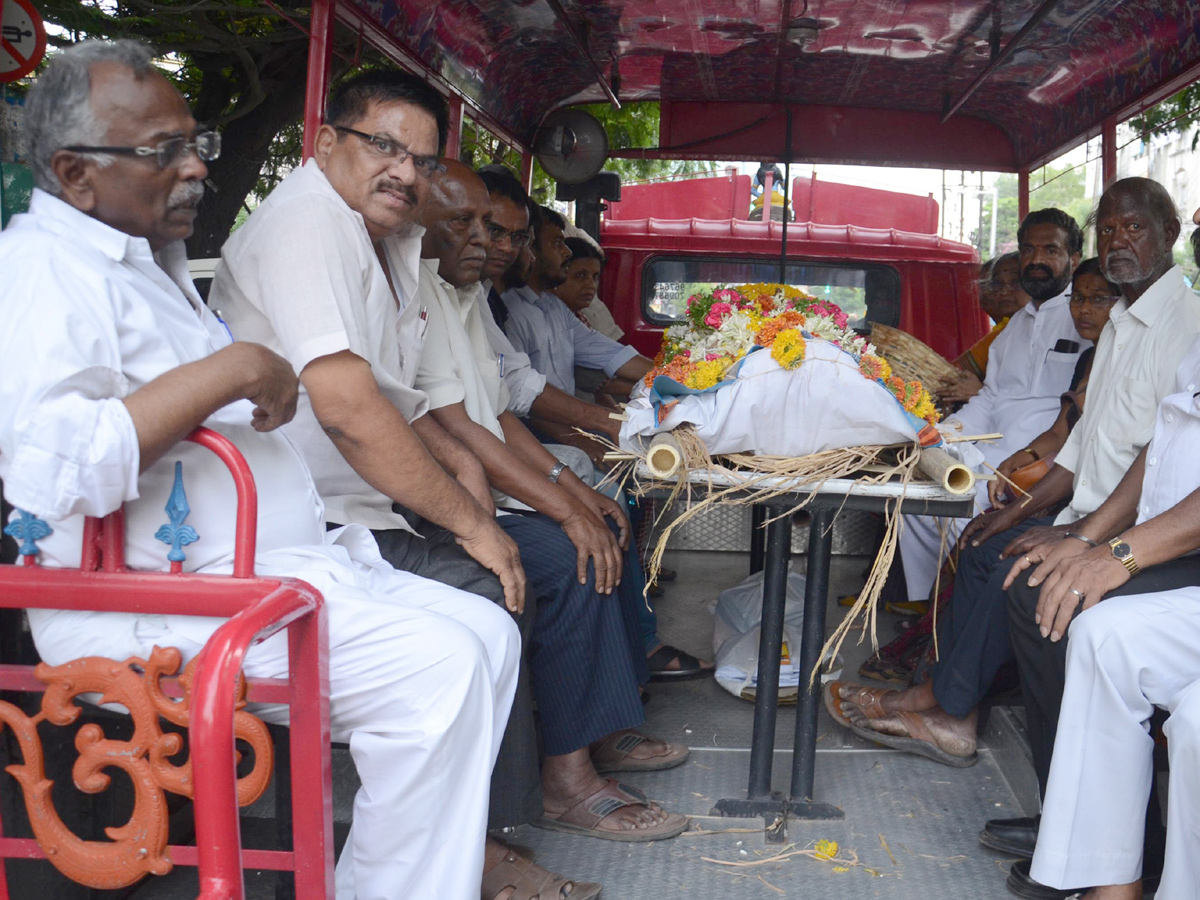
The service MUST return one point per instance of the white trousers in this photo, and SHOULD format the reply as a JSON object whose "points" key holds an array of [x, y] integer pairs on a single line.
{"points": [[921, 549], [421, 682], [1125, 656]]}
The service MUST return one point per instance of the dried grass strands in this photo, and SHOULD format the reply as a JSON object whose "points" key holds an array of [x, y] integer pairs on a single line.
{"points": [[867, 602], [753, 479]]}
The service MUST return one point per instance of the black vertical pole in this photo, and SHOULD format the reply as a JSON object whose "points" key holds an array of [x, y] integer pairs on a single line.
{"points": [[779, 549], [816, 591], [758, 535]]}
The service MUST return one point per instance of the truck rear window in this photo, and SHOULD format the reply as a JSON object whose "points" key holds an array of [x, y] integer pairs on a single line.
{"points": [[867, 293]]}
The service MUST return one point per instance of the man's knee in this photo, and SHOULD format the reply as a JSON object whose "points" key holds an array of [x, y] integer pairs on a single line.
{"points": [[1022, 599], [1183, 725]]}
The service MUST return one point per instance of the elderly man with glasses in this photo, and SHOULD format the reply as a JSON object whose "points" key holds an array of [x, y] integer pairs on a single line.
{"points": [[111, 359]]}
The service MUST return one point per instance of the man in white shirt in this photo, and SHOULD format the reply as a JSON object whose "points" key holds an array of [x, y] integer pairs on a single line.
{"points": [[585, 654], [110, 359], [1029, 367], [1135, 646], [325, 273], [540, 325], [1139, 352]]}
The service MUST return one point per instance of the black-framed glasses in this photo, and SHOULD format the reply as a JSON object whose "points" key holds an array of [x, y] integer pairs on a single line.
{"points": [[206, 145], [518, 239], [386, 148], [1102, 302]]}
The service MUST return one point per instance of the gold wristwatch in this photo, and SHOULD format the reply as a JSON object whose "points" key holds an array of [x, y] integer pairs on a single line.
{"points": [[1123, 554]]}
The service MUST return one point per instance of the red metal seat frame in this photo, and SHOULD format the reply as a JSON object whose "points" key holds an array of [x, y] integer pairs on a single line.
{"points": [[255, 608]]}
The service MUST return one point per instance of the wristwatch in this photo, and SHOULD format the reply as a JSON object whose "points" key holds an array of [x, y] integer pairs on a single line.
{"points": [[1123, 554]]}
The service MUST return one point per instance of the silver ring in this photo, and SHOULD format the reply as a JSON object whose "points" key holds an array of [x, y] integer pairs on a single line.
{"points": [[1078, 594]]}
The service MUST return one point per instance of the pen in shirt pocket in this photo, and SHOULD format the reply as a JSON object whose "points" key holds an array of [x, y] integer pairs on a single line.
{"points": [[500, 362], [424, 316], [223, 325]]}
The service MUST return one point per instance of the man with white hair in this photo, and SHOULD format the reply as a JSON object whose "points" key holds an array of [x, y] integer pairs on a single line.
{"points": [[110, 360]]}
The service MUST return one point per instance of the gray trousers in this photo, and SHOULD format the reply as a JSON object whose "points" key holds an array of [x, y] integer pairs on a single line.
{"points": [[516, 794]]}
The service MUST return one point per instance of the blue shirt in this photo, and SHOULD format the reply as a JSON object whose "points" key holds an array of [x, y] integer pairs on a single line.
{"points": [[541, 326]]}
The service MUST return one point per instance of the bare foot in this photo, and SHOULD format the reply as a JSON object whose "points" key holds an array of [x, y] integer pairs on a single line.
{"points": [[1131, 891], [951, 734], [914, 699], [571, 777]]}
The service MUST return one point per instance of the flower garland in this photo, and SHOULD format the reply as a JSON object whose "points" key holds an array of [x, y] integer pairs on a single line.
{"points": [[723, 325]]}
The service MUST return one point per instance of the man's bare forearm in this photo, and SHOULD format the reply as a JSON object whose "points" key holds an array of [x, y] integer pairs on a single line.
{"points": [[380, 445], [507, 468], [558, 406], [171, 406], [451, 453]]}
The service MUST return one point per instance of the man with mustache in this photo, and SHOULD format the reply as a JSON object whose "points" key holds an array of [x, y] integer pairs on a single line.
{"points": [[110, 360], [1137, 357], [585, 656], [1030, 365], [325, 271]]}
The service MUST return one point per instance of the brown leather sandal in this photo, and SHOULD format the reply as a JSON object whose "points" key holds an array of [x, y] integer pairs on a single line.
{"points": [[530, 881], [586, 815]]}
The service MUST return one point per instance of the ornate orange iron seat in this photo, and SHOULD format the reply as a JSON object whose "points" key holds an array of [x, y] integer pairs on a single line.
{"points": [[211, 693]]}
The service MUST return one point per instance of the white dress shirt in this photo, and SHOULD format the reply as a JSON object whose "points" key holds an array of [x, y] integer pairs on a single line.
{"points": [[301, 277], [542, 326], [525, 383], [92, 316], [421, 676], [1171, 471], [1134, 370], [460, 364], [1026, 377]]}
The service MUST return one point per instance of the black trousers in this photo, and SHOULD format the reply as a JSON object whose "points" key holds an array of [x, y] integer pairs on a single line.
{"points": [[975, 643], [516, 792], [1043, 666]]}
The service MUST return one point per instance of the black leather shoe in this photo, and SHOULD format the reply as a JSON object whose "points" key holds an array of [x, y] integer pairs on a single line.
{"points": [[1022, 884], [1015, 836]]}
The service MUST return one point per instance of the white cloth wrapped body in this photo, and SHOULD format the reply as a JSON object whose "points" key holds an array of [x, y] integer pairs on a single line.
{"points": [[825, 404]]}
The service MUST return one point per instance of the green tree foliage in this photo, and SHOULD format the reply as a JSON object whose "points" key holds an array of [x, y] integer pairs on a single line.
{"points": [[1177, 113], [1060, 187]]}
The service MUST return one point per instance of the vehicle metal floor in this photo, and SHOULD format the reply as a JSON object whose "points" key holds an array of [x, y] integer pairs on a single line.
{"points": [[911, 825]]}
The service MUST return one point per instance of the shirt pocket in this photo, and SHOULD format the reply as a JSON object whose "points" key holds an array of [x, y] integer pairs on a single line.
{"points": [[1057, 370]]}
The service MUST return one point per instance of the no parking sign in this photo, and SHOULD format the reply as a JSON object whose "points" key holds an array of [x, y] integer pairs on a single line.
{"points": [[22, 39]]}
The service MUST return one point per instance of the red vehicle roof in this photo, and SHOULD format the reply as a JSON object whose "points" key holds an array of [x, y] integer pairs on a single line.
{"points": [[804, 239], [865, 80]]}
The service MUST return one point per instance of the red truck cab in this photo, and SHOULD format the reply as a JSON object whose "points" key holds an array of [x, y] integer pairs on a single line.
{"points": [[665, 241]]}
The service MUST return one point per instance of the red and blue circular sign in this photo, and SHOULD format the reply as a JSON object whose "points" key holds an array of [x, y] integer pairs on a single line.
{"points": [[22, 39]]}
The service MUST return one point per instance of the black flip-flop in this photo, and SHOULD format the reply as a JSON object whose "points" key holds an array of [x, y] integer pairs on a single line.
{"points": [[689, 666]]}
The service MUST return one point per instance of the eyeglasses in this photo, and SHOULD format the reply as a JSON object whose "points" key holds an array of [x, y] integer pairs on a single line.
{"points": [[206, 145], [386, 148], [518, 239], [1098, 302]]}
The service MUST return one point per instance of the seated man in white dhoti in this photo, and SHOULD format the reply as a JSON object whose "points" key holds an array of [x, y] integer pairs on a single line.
{"points": [[1126, 655], [109, 359], [1029, 367]]}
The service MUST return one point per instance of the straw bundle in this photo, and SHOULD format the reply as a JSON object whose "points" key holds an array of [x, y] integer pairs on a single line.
{"points": [[910, 359]]}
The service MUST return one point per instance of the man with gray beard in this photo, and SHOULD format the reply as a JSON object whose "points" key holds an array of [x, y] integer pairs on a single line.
{"points": [[1147, 336]]}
